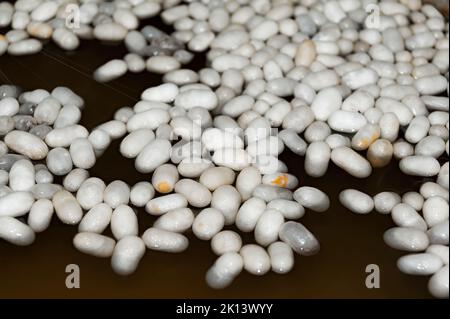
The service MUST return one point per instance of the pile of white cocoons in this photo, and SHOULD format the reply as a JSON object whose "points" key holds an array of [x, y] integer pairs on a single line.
{"points": [[356, 83]]}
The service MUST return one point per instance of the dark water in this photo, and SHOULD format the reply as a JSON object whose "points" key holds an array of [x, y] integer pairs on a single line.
{"points": [[349, 242]]}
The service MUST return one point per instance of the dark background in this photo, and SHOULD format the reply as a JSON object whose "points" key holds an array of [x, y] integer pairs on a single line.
{"points": [[349, 242]]}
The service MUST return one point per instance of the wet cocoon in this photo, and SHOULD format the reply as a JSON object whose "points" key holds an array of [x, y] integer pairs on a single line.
{"points": [[300, 239]]}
